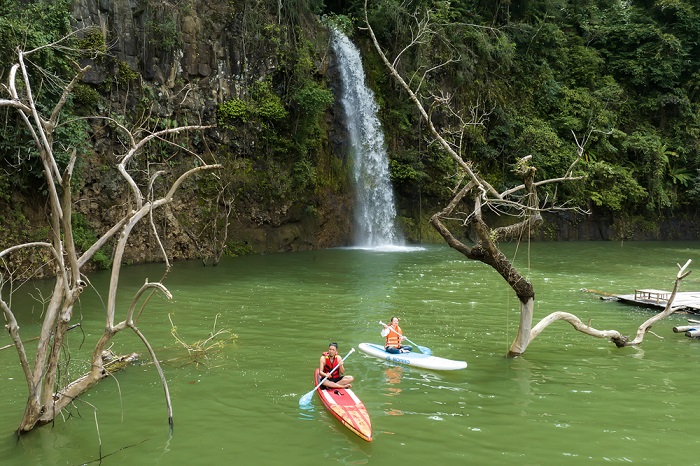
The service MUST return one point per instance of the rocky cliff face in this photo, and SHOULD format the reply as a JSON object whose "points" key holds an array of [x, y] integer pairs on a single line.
{"points": [[172, 46], [175, 63]]}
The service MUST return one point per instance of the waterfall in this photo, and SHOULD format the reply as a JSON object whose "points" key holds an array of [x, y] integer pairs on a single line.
{"points": [[375, 213]]}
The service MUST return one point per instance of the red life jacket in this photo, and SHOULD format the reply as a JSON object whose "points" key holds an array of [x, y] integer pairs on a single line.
{"points": [[329, 365]]}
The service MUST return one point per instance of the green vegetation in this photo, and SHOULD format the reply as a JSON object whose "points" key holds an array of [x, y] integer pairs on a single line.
{"points": [[125, 75], [547, 70], [92, 43], [85, 96], [84, 237], [29, 26], [263, 109], [201, 351], [162, 27], [277, 154]]}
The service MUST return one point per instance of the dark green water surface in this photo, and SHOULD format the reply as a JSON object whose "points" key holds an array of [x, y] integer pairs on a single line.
{"points": [[570, 400]]}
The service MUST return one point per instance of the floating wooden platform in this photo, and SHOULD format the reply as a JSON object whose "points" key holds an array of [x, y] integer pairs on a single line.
{"points": [[688, 300]]}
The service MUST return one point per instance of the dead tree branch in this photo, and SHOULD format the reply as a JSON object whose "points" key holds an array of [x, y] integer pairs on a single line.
{"points": [[473, 194], [46, 399]]}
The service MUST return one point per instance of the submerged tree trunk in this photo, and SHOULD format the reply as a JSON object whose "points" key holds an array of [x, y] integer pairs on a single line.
{"points": [[522, 339]]}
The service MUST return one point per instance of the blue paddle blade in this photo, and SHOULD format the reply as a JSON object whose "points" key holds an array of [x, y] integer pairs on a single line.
{"points": [[306, 399], [425, 350]]}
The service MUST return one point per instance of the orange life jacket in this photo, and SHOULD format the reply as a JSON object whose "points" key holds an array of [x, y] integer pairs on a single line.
{"points": [[329, 365], [393, 339]]}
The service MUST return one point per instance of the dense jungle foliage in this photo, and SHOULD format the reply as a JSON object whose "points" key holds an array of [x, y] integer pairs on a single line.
{"points": [[544, 72]]}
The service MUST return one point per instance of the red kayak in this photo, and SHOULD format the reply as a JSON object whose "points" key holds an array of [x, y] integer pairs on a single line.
{"points": [[346, 407]]}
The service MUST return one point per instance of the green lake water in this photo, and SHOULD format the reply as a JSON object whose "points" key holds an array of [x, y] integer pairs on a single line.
{"points": [[570, 400]]}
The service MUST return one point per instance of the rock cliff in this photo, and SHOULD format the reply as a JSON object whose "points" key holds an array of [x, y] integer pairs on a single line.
{"points": [[176, 62]]}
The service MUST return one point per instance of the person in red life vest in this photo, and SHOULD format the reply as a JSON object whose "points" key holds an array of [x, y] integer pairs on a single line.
{"points": [[329, 361], [394, 336]]}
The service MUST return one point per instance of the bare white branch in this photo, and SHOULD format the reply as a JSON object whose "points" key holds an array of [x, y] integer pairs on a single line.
{"points": [[42, 374]]}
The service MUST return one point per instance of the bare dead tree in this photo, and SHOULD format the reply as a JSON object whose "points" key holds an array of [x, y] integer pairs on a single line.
{"points": [[475, 195], [46, 398]]}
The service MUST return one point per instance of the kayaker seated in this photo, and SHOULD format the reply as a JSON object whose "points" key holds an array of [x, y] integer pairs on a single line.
{"points": [[331, 366], [394, 337]]}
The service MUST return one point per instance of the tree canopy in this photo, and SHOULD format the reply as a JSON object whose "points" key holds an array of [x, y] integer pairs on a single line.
{"points": [[545, 69], [538, 72]]}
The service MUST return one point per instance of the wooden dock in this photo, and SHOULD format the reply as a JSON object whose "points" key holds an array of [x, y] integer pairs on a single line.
{"points": [[688, 300]]}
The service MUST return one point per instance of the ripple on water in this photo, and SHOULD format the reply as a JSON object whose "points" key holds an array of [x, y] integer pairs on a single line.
{"points": [[570, 400]]}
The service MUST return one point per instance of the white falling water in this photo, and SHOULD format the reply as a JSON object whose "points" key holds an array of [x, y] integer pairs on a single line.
{"points": [[375, 212]]}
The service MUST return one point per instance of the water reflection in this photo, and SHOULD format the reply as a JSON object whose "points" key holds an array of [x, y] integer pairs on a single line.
{"points": [[393, 375], [393, 379], [306, 412]]}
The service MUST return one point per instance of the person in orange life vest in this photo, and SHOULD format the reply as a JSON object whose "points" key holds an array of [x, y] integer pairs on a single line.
{"points": [[329, 360], [394, 336]]}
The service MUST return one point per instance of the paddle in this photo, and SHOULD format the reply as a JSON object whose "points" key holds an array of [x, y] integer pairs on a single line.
{"points": [[422, 349], [304, 400]]}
